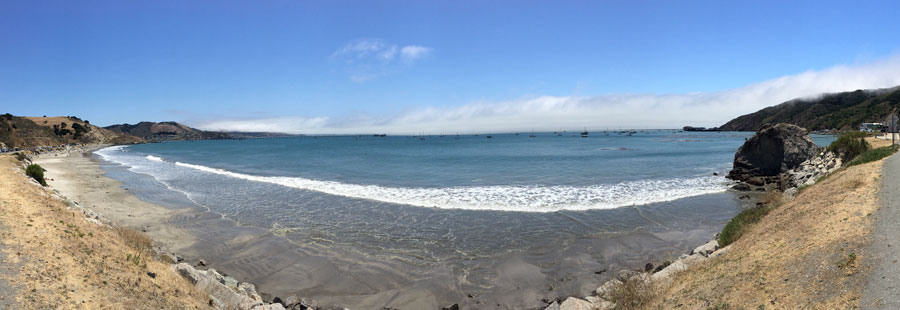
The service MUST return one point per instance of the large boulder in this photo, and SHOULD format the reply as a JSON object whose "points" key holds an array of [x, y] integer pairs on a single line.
{"points": [[772, 151]]}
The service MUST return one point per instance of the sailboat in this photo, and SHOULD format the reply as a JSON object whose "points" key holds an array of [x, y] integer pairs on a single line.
{"points": [[584, 133], [532, 133]]}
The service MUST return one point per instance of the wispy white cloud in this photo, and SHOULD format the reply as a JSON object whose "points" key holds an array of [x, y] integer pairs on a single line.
{"points": [[594, 112], [367, 59], [414, 52]]}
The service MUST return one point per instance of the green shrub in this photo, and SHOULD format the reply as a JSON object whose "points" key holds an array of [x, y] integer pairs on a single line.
{"points": [[873, 155], [35, 171], [736, 227], [849, 145]]}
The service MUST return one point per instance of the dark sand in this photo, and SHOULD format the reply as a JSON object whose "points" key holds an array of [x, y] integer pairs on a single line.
{"points": [[341, 275]]}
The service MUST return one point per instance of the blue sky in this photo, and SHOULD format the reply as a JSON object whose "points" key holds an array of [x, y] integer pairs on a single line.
{"points": [[413, 66]]}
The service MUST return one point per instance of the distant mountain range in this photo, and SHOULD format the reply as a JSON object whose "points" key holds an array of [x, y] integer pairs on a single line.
{"points": [[164, 131], [830, 111]]}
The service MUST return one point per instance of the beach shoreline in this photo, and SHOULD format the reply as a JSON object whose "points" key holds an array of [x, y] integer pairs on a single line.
{"points": [[194, 234]]}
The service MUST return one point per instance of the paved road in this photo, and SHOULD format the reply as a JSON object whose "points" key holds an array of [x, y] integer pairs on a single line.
{"points": [[883, 287], [7, 292]]}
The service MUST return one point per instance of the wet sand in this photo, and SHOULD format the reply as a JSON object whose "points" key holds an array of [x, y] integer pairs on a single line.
{"points": [[337, 275]]}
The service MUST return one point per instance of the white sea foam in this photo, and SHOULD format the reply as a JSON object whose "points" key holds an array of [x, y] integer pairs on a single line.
{"points": [[505, 198]]}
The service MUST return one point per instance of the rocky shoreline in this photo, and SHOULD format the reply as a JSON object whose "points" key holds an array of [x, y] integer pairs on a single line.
{"points": [[779, 158]]}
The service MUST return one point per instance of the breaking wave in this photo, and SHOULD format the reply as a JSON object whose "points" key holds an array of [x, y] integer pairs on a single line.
{"points": [[502, 198]]}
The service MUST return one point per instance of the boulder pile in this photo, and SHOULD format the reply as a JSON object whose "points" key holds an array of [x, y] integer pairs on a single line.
{"points": [[228, 293], [811, 170], [604, 296]]}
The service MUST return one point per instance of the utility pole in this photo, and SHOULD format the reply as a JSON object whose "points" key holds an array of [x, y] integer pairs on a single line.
{"points": [[892, 125]]}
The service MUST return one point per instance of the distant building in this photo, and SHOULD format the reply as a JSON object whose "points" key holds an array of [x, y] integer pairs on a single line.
{"points": [[870, 127]]}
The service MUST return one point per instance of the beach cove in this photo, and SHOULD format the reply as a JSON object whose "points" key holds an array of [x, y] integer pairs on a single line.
{"points": [[343, 275]]}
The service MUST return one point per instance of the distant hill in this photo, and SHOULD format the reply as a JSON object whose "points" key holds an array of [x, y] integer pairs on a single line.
{"points": [[26, 132], [831, 111], [163, 131]]}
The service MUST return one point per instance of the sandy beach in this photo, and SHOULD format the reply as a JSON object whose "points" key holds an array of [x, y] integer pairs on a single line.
{"points": [[78, 177], [340, 275], [247, 253]]}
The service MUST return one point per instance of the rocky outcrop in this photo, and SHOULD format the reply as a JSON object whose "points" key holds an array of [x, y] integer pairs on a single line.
{"points": [[772, 151]]}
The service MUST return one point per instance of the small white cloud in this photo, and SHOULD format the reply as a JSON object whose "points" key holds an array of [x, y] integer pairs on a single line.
{"points": [[414, 52], [360, 49], [367, 59], [594, 112]]}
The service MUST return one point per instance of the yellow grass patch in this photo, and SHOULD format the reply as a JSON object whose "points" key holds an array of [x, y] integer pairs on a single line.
{"points": [[803, 255], [66, 262]]}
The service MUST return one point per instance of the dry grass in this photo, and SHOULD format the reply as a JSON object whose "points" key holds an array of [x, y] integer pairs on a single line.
{"points": [[54, 120], [802, 255], [635, 293], [135, 239], [877, 143], [65, 262]]}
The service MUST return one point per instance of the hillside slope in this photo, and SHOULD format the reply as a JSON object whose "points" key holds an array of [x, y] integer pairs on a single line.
{"points": [[805, 254], [63, 260], [26, 132], [832, 111], [165, 131]]}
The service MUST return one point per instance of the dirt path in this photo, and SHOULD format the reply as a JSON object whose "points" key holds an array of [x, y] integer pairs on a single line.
{"points": [[883, 287]]}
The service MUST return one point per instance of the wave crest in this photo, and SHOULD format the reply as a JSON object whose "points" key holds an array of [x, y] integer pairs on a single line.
{"points": [[499, 198], [504, 198]]}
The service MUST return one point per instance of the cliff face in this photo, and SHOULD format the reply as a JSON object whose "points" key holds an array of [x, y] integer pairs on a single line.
{"points": [[25, 132], [831, 111], [165, 131]]}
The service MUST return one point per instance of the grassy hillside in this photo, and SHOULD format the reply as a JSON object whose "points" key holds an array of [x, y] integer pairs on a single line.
{"points": [[832, 111], [25, 132], [62, 261], [802, 255]]}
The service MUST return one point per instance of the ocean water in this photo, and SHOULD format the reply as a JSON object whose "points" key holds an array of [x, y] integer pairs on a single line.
{"points": [[507, 172], [460, 203]]}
